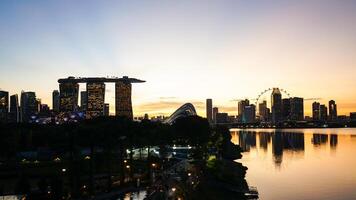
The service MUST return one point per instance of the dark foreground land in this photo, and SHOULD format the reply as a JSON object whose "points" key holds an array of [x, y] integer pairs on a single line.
{"points": [[107, 157]]}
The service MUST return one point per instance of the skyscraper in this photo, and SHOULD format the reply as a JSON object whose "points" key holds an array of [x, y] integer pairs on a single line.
{"points": [[323, 115], [241, 108], [29, 105], [316, 110], [332, 110], [123, 104], [215, 112], [68, 97], [276, 104], [96, 99], [286, 109], [209, 110], [55, 100], [249, 114], [14, 114], [297, 109], [4, 106], [83, 100], [263, 111]]}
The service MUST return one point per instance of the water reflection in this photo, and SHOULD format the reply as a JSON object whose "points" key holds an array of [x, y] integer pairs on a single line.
{"points": [[283, 163]]}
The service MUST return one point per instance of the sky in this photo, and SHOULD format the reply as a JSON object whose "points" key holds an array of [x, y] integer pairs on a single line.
{"points": [[186, 50]]}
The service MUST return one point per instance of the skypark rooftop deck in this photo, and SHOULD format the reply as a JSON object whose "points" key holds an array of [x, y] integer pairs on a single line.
{"points": [[72, 79]]}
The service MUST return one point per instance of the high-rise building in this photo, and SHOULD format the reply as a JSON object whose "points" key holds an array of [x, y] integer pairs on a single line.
{"points": [[83, 100], [4, 106], [249, 114], [276, 104], [297, 109], [263, 111], [209, 110], [96, 99], [68, 96], [316, 110], [123, 104], [286, 109], [323, 115], [29, 106], [241, 109], [215, 111], [14, 114], [106, 109], [332, 110], [353, 116], [55, 100], [221, 118]]}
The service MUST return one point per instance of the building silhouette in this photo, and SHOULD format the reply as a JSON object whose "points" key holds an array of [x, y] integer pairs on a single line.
{"points": [[29, 106], [241, 109], [183, 111], [332, 110], [55, 100], [323, 113], [316, 110], [95, 99], [249, 115], [222, 118], [297, 109], [276, 104], [286, 109], [209, 110], [14, 115], [215, 112], [4, 106], [263, 111]]}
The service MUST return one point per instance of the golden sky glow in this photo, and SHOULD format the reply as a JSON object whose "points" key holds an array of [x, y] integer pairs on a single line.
{"points": [[187, 51]]}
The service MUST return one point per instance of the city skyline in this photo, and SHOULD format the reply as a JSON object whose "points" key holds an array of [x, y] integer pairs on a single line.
{"points": [[244, 47]]}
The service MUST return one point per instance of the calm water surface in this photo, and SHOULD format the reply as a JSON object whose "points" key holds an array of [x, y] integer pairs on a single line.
{"points": [[300, 163]]}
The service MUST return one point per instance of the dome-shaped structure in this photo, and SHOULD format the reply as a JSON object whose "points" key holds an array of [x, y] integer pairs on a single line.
{"points": [[184, 111]]}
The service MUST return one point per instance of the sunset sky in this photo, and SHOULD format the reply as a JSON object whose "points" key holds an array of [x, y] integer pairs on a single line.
{"points": [[186, 50]]}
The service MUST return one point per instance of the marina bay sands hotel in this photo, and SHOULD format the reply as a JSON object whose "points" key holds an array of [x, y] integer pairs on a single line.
{"points": [[95, 95]]}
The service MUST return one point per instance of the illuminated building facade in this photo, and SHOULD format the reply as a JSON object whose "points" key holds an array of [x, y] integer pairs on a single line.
{"points": [[83, 100], [4, 106], [95, 95], [68, 98], [123, 99], [96, 99]]}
